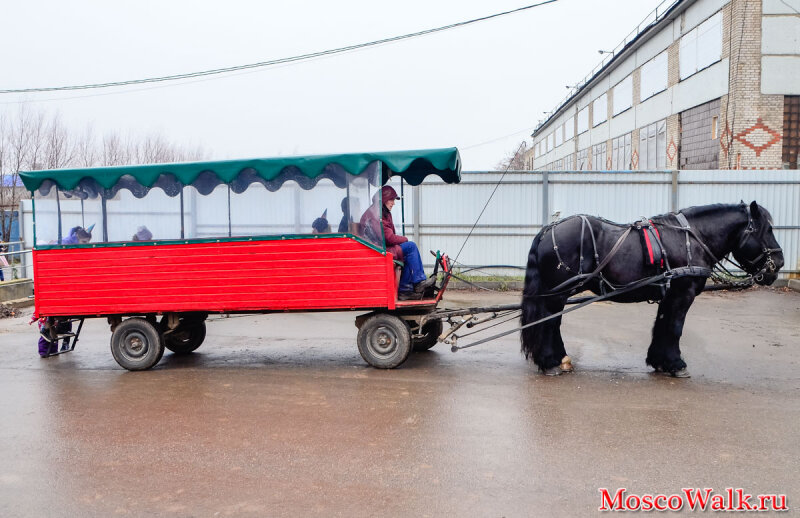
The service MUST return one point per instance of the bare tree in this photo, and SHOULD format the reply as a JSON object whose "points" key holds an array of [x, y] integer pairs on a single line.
{"points": [[32, 140], [514, 160], [113, 150], [86, 149], [59, 148], [16, 156]]}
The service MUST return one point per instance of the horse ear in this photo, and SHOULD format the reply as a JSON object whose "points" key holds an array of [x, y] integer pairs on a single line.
{"points": [[754, 210]]}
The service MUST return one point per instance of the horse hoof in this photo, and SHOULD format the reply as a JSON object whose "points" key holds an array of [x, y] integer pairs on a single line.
{"points": [[566, 364], [682, 373], [553, 371]]}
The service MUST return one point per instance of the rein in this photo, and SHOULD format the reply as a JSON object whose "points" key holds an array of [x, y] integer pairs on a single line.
{"points": [[683, 271], [767, 267], [769, 263]]}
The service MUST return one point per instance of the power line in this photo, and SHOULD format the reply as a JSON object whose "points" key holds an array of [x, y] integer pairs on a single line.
{"points": [[479, 144], [262, 64]]}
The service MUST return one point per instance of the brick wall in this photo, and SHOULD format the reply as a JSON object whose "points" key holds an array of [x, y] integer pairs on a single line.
{"points": [[699, 147], [752, 123], [791, 131], [673, 140], [673, 64]]}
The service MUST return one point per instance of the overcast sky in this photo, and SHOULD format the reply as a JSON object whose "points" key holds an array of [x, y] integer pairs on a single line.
{"points": [[481, 88]]}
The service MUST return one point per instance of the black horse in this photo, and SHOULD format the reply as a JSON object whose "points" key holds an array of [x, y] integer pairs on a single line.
{"points": [[588, 253]]}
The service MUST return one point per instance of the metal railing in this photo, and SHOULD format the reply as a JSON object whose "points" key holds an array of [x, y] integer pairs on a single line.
{"points": [[14, 262]]}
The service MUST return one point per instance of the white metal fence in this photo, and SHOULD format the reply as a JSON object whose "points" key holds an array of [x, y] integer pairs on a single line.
{"points": [[525, 200]]}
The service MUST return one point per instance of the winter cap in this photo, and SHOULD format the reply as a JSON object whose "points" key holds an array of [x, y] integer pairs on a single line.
{"points": [[388, 193]]}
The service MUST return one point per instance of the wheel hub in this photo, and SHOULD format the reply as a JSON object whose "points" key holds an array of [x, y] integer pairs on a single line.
{"points": [[135, 345], [384, 341]]}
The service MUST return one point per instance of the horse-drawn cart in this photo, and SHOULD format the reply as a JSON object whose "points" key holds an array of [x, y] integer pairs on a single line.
{"points": [[226, 237], [241, 237]]}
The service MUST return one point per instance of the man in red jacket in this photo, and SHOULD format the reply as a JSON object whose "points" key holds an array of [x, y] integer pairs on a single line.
{"points": [[413, 279]]}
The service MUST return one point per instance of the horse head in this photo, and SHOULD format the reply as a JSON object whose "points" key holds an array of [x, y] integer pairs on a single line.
{"points": [[758, 251]]}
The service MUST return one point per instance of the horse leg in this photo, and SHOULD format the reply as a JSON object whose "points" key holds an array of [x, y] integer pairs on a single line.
{"points": [[543, 342], [664, 353]]}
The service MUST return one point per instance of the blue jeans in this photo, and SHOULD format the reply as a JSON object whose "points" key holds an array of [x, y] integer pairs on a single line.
{"points": [[413, 273]]}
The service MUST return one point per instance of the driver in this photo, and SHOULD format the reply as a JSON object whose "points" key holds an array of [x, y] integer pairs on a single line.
{"points": [[413, 281]]}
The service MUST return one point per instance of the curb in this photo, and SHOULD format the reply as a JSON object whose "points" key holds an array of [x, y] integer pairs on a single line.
{"points": [[19, 303], [794, 284]]}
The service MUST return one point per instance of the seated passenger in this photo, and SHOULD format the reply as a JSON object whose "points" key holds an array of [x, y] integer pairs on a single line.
{"points": [[413, 281], [344, 224], [142, 234], [78, 236], [321, 225]]}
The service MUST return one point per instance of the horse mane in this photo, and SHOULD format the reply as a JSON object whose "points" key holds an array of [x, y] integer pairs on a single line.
{"points": [[695, 211], [698, 211]]}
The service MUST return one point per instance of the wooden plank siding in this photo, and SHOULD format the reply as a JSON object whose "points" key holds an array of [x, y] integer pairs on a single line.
{"points": [[268, 275]]}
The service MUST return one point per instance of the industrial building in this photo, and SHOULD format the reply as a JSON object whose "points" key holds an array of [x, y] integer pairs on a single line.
{"points": [[700, 84]]}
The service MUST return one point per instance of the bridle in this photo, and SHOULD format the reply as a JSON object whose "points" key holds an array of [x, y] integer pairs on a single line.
{"points": [[769, 264]]}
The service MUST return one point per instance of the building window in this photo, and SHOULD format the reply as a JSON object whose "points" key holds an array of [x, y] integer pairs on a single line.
{"points": [[653, 76], [621, 153], [568, 163], [583, 120], [653, 146], [569, 129], [599, 157], [701, 47], [549, 142], [583, 160], [600, 110], [559, 135], [714, 127], [623, 95], [556, 165]]}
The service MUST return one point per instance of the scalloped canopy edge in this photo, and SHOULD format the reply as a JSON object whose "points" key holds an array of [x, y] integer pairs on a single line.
{"points": [[413, 166]]}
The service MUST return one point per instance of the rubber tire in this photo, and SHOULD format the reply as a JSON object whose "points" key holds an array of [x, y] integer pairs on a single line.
{"points": [[146, 333], [383, 326], [431, 330], [195, 333]]}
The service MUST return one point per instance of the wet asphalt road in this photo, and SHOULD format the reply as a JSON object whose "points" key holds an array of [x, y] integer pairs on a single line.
{"points": [[279, 416]]}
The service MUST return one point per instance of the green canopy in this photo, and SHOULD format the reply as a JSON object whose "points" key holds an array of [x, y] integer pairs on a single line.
{"points": [[413, 166]]}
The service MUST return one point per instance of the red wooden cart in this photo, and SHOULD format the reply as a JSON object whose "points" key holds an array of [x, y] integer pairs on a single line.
{"points": [[225, 237]]}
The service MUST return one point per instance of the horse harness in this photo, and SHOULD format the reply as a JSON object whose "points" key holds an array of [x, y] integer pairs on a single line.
{"points": [[747, 234], [769, 263], [655, 254]]}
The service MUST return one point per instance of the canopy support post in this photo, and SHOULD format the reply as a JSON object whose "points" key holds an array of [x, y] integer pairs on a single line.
{"points": [[105, 218], [182, 224], [58, 209], [402, 207], [229, 211], [415, 214]]}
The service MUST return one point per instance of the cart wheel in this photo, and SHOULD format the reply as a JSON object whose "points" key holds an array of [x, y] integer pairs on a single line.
{"points": [[186, 338], [430, 335], [136, 344], [384, 341]]}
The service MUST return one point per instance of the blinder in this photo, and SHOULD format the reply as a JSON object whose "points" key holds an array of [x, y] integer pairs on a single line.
{"points": [[768, 267]]}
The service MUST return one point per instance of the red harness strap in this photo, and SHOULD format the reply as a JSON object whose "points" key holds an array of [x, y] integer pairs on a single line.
{"points": [[650, 244]]}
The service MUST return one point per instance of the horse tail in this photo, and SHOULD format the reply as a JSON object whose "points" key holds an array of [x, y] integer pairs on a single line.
{"points": [[531, 302]]}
